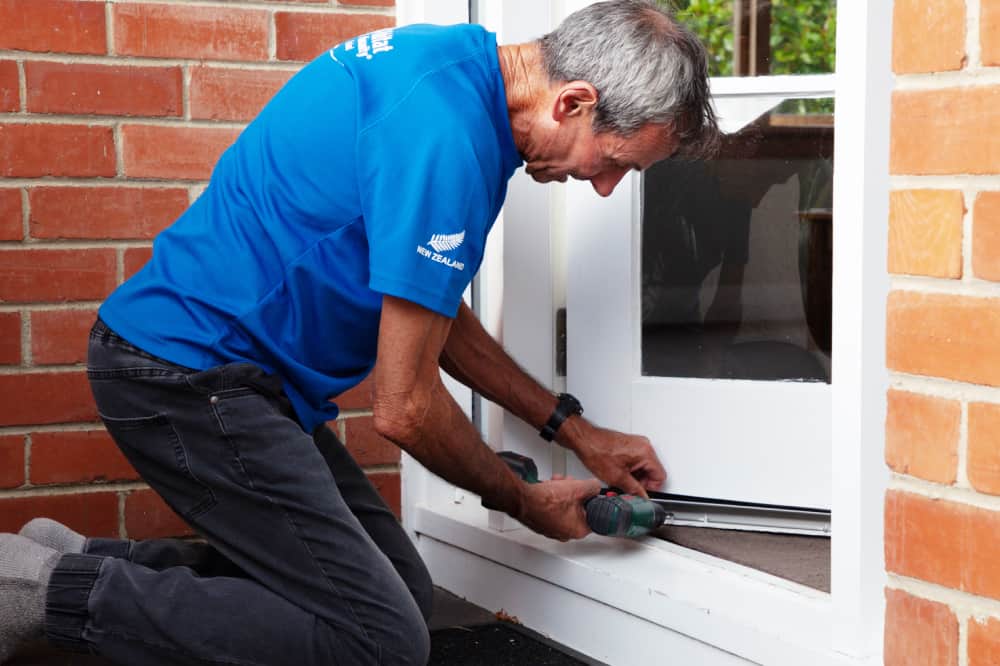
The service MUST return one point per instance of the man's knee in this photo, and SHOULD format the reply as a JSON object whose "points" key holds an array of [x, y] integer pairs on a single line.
{"points": [[397, 635], [408, 643], [412, 652]]}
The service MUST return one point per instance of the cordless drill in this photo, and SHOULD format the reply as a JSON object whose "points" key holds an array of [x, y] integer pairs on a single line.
{"points": [[611, 513]]}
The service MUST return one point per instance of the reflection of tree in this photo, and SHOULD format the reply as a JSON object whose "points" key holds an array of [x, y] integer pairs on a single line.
{"points": [[802, 33]]}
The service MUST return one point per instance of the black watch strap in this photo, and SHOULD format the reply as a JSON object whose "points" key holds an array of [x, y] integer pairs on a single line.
{"points": [[567, 406]]}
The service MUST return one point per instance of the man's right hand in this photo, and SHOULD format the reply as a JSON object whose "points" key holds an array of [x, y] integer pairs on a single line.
{"points": [[555, 508]]}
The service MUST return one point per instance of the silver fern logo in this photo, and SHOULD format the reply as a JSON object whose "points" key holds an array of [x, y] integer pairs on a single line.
{"points": [[446, 242], [443, 243]]}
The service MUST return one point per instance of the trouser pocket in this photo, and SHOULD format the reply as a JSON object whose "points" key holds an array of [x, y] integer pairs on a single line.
{"points": [[156, 450]]}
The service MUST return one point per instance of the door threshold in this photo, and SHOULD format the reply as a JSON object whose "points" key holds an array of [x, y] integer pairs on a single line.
{"points": [[745, 516]]}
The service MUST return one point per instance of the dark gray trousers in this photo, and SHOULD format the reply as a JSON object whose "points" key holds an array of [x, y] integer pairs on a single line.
{"points": [[304, 563]]}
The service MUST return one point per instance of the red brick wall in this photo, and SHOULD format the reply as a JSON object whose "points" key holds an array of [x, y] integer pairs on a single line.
{"points": [[112, 115], [942, 512]]}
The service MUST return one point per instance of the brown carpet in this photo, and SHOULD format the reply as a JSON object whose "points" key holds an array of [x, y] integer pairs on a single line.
{"points": [[802, 559]]}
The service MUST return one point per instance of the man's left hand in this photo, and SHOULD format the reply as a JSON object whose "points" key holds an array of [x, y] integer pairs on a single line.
{"points": [[619, 459]]}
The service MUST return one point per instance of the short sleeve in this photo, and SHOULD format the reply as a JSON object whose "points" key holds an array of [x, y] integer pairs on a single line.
{"points": [[426, 204]]}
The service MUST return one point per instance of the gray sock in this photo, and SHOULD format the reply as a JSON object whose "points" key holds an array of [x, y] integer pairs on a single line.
{"points": [[25, 569], [54, 535]]}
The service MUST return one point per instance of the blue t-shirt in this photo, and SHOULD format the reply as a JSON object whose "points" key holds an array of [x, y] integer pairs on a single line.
{"points": [[378, 169]]}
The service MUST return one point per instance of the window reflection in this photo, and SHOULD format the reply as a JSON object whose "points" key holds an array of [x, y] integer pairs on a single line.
{"points": [[761, 37], [737, 253]]}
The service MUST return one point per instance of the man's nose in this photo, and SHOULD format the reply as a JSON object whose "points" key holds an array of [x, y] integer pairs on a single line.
{"points": [[605, 182]]}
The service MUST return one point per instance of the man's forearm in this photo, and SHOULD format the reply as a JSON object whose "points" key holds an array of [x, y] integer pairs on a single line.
{"points": [[473, 357], [444, 441]]}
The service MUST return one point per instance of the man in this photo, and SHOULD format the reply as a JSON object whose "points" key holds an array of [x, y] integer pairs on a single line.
{"points": [[338, 234]]}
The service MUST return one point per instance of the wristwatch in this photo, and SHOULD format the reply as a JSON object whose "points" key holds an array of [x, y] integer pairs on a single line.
{"points": [[567, 406]]}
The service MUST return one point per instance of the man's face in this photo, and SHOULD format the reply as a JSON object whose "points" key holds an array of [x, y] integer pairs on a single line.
{"points": [[571, 149]]}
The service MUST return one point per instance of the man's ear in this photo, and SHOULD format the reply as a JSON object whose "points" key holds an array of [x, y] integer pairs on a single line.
{"points": [[576, 98]]}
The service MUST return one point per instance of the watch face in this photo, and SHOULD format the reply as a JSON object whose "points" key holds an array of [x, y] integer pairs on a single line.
{"points": [[572, 405], [567, 406]]}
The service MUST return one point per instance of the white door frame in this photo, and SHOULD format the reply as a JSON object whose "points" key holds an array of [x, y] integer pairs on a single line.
{"points": [[621, 601]]}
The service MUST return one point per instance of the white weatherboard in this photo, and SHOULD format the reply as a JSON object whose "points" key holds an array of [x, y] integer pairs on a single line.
{"points": [[651, 602]]}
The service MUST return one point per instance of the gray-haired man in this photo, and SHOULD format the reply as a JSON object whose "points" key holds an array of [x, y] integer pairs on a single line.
{"points": [[338, 235]]}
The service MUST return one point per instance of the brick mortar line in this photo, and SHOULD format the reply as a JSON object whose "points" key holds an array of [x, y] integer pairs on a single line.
{"points": [[35, 307], [943, 388], [976, 182], [973, 47], [963, 636], [272, 37], [972, 287], [24, 370], [186, 91], [381, 469], [73, 489], [114, 121], [968, 203], [146, 61], [119, 266], [962, 473], [970, 605], [27, 356], [119, 146], [964, 78], [57, 428], [27, 459], [936, 491], [25, 336], [109, 30], [110, 183], [74, 244], [348, 414], [194, 192], [22, 86], [122, 529], [25, 214]]}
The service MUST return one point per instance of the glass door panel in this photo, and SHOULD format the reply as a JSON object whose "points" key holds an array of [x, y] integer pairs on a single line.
{"points": [[737, 253]]}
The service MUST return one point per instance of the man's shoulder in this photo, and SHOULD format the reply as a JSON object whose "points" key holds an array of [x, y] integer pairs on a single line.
{"points": [[406, 51], [432, 67]]}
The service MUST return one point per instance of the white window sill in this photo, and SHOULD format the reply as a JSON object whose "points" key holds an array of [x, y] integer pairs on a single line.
{"points": [[743, 611]]}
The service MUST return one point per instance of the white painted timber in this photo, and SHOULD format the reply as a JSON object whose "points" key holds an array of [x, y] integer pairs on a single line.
{"points": [[442, 12], [710, 436], [780, 86], [595, 629], [703, 598], [860, 288], [527, 323]]}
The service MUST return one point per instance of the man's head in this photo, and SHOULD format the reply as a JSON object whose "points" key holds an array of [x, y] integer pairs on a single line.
{"points": [[627, 86]]}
